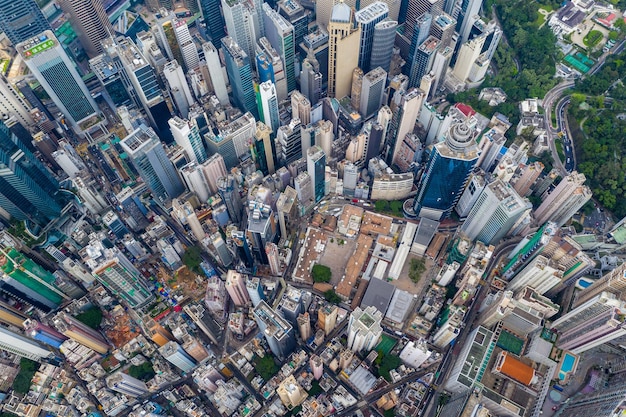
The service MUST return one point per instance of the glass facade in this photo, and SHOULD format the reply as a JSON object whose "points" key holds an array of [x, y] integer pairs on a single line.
{"points": [[21, 20]]}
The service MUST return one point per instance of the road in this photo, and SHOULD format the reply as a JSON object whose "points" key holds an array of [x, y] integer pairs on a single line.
{"points": [[551, 131]]}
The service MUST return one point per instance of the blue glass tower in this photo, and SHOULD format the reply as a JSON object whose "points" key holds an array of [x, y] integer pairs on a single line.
{"points": [[447, 172], [240, 76], [368, 17], [214, 21], [21, 20], [28, 191], [264, 68]]}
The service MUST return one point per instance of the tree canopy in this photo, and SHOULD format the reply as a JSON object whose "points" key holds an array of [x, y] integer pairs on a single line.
{"points": [[144, 372], [91, 317], [21, 384], [321, 273], [192, 259], [332, 297]]}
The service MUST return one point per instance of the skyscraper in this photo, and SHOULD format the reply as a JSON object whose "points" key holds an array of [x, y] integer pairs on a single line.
{"points": [[187, 136], [382, 44], [442, 28], [49, 63], [608, 401], [80, 332], [244, 23], [28, 191], [212, 58], [214, 168], [126, 384], [566, 199], [269, 105], [495, 212], [368, 17], [279, 334], [179, 90], [423, 60], [281, 35], [21, 20], [236, 287], [186, 45], [316, 167], [364, 329], [300, 108], [416, 9], [148, 155], [13, 104], [372, 90], [240, 75], [613, 282], [343, 45], [176, 355], [288, 142], [211, 12], [447, 172], [229, 191], [468, 54], [403, 121], [90, 22], [465, 12]]}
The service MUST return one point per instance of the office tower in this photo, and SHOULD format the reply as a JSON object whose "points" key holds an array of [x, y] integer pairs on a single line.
{"points": [[264, 149], [364, 329], [591, 324], [311, 79], [264, 67], [176, 355], [278, 332], [228, 189], [490, 145], [236, 287], [450, 328], [269, 105], [323, 11], [343, 44], [442, 28], [564, 201], [423, 60], [187, 136], [115, 224], [111, 75], [19, 345], [211, 12], [496, 211], [372, 91], [316, 165], [517, 313], [289, 142], [232, 139], [13, 104], [116, 272], [295, 14], [529, 175], [195, 181], [179, 90], [449, 167], [28, 191], [26, 281], [368, 17], [255, 291], [290, 392], [240, 75], [280, 33], [467, 11], [212, 58], [148, 155], [604, 402], [186, 45], [382, 44], [21, 20], [90, 22], [355, 88], [214, 168], [126, 384], [403, 121], [304, 188], [80, 332], [49, 63], [304, 325], [415, 10], [542, 274], [286, 206], [440, 65], [300, 108], [273, 57], [244, 23], [327, 317], [468, 54], [613, 281]]}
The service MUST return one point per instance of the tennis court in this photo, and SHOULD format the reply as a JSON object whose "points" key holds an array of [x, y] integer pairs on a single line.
{"points": [[510, 343], [386, 344]]}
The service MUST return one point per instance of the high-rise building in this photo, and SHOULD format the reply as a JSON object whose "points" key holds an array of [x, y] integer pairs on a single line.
{"points": [[274, 61], [255, 290], [447, 172], [236, 287], [17, 344], [316, 165], [468, 54], [368, 17], [608, 401], [591, 324], [263, 145], [179, 90], [300, 109], [80, 332], [372, 91], [364, 329], [176, 355], [403, 121], [214, 168], [304, 188], [613, 282], [269, 105], [212, 14], [187, 136], [495, 212], [327, 317], [317, 366], [229, 191], [343, 44], [304, 325], [49, 63], [21, 20], [527, 179], [24, 280], [240, 75], [28, 191], [281, 36], [148, 155], [311, 79], [423, 60], [244, 23], [564, 201], [186, 45], [90, 22], [442, 28], [278, 332], [126, 384], [465, 12], [216, 74], [195, 181], [541, 274], [286, 206], [382, 44], [13, 104], [289, 142], [295, 14]]}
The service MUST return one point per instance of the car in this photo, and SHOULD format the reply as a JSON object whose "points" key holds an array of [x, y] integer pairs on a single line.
{"points": [[568, 160]]}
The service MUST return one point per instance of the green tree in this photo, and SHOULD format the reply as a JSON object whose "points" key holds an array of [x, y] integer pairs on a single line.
{"points": [[416, 269], [321, 273], [21, 383], [265, 366], [91, 317], [144, 372], [388, 363], [332, 297], [192, 259]]}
